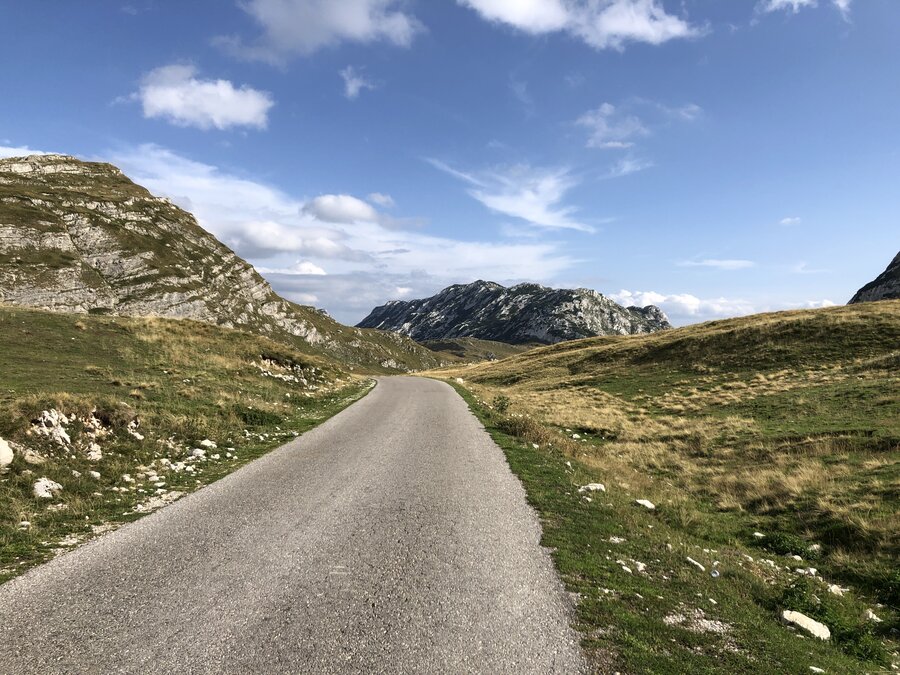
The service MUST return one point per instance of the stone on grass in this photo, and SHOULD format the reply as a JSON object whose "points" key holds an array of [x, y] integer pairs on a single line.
{"points": [[44, 488], [871, 616], [816, 670], [811, 626], [94, 474], [593, 487], [6, 454], [32, 457], [197, 452], [650, 506], [206, 443], [696, 564], [94, 453]]}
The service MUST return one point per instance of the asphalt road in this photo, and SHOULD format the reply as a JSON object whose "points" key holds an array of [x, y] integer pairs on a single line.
{"points": [[392, 538]]}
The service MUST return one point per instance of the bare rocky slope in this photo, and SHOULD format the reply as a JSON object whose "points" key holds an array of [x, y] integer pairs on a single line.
{"points": [[885, 287], [526, 313], [82, 237]]}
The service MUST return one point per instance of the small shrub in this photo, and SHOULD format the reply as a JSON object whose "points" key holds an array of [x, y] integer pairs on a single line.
{"points": [[501, 404]]}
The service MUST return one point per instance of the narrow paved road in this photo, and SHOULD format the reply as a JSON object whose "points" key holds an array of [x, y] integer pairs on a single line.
{"points": [[392, 538]]}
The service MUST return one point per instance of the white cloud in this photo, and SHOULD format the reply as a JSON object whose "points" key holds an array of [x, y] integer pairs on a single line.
{"points": [[176, 94], [682, 308], [20, 151], [718, 264], [367, 258], [628, 165], [344, 209], [791, 220], [383, 200], [610, 128], [794, 6], [301, 27], [521, 191], [354, 82], [603, 24]]}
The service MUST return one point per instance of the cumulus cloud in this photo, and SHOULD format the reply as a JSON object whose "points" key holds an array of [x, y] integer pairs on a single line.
{"points": [[531, 194], [719, 264], [176, 94], [354, 82], [683, 308], [7, 151], [602, 24], [366, 257], [301, 27]]}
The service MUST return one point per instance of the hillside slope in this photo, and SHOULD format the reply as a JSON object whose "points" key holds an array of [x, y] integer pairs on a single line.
{"points": [[885, 286], [472, 350], [526, 313], [81, 237], [120, 414], [770, 448]]}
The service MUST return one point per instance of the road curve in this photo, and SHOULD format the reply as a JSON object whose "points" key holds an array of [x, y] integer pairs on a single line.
{"points": [[391, 538]]}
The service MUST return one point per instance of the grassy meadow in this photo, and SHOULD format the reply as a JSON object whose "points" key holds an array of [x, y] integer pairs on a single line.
{"points": [[770, 447], [144, 400]]}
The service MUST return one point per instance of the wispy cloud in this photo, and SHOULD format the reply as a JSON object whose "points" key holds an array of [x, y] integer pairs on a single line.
{"points": [[300, 27], [175, 93], [602, 24], [790, 220], [534, 195], [610, 128], [794, 6], [355, 82], [719, 264]]}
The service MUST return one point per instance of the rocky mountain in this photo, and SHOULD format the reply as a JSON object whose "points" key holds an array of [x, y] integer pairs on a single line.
{"points": [[82, 237], [886, 286], [522, 314]]}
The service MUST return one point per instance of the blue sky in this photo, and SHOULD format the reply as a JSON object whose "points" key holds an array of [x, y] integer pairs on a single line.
{"points": [[715, 158]]}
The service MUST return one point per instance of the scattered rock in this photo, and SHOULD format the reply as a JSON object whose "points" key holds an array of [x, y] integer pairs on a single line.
{"points": [[459, 380], [871, 616], [759, 535], [807, 571], [616, 540], [94, 453], [197, 452], [835, 589], [650, 506], [127, 478], [76, 474], [32, 457], [6, 454], [811, 626], [44, 488], [208, 444], [696, 564], [94, 474], [593, 487], [51, 424], [816, 670]]}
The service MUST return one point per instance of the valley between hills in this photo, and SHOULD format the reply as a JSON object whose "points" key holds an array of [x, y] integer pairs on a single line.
{"points": [[719, 497]]}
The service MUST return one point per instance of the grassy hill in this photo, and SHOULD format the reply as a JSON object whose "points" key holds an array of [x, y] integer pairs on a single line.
{"points": [[768, 444], [469, 350], [140, 396]]}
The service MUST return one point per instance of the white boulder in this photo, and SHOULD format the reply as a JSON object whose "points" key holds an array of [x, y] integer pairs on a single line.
{"points": [[811, 626], [44, 488], [94, 453], [650, 506], [6, 454], [593, 487], [206, 443]]}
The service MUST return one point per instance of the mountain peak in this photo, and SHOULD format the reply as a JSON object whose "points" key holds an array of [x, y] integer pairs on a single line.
{"points": [[884, 287], [524, 313]]}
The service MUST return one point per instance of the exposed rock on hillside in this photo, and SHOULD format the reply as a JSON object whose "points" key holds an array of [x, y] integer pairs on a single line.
{"points": [[81, 237], [517, 315], [885, 287]]}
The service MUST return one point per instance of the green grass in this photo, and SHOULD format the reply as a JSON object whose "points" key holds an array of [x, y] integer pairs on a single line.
{"points": [[787, 424], [181, 381], [470, 350], [623, 616]]}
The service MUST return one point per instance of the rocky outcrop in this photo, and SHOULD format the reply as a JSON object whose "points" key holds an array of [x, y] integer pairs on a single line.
{"points": [[81, 237], [885, 287], [526, 313]]}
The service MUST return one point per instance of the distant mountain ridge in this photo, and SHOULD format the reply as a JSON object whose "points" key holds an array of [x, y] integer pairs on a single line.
{"points": [[526, 313], [885, 286], [82, 237]]}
